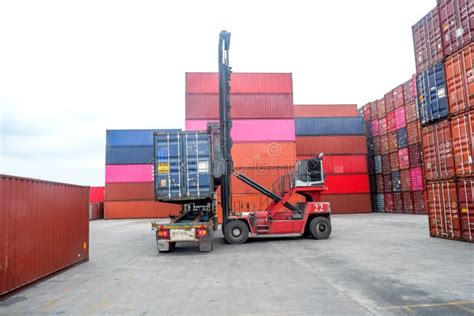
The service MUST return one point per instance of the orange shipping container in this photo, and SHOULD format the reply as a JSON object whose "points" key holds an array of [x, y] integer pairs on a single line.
{"points": [[463, 134], [139, 209], [443, 209], [325, 110], [129, 191], [265, 154], [331, 145]]}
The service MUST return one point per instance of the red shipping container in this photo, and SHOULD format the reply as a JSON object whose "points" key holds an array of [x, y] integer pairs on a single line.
{"points": [[379, 183], [466, 205], [244, 106], [398, 96], [242, 83], [463, 135], [345, 164], [411, 111], [438, 151], [407, 203], [375, 128], [348, 203], [403, 158], [460, 79], [325, 110], [427, 40], [405, 180], [347, 183], [388, 197], [391, 121], [397, 202], [418, 199], [443, 209], [392, 142], [387, 183], [414, 153], [381, 108], [139, 209], [413, 133], [389, 106], [384, 145], [366, 112], [373, 110], [139, 191], [96, 194], [377, 145], [400, 120], [386, 165], [335, 145], [416, 179], [94, 211], [44, 227], [394, 162], [457, 24], [409, 88], [383, 126]]}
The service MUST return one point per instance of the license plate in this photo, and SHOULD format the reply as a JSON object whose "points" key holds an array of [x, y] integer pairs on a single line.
{"points": [[182, 234]]}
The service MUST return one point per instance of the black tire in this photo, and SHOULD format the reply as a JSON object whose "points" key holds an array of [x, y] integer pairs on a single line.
{"points": [[236, 232], [320, 228]]}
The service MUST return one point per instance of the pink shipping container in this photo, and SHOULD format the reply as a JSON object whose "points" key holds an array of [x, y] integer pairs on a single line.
{"points": [[416, 179], [457, 24], [244, 106], [128, 173], [403, 158], [44, 227], [400, 120], [375, 128], [259, 83], [253, 130]]}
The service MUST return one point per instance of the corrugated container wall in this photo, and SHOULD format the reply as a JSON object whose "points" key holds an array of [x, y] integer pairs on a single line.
{"points": [[44, 227], [457, 24], [325, 110], [329, 126], [432, 100]]}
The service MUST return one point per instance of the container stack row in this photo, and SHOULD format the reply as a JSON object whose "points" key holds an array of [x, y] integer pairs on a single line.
{"points": [[129, 180], [394, 147], [263, 129], [338, 132], [444, 52]]}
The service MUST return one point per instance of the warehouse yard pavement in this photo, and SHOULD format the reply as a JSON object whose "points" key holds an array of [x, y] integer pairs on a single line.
{"points": [[373, 264]]}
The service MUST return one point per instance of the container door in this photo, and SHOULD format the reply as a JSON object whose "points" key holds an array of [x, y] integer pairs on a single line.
{"points": [[196, 165], [169, 175]]}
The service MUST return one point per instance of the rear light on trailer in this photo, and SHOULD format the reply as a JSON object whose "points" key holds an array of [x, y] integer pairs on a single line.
{"points": [[201, 232], [164, 233]]}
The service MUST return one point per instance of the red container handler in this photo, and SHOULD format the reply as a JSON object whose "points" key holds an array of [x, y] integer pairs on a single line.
{"points": [[397, 202], [413, 133], [391, 121], [457, 24], [427, 41], [438, 151], [443, 209], [466, 206], [44, 227], [408, 203], [324, 110], [398, 96], [462, 130], [242, 83], [403, 158], [381, 108], [389, 207], [459, 69]]}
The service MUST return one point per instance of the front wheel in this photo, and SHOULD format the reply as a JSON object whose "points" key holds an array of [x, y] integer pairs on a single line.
{"points": [[236, 232], [320, 227]]}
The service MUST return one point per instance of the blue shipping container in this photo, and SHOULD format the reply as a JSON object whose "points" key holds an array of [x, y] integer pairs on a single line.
{"points": [[432, 100], [322, 126], [378, 164], [129, 155], [402, 137], [396, 182], [183, 166], [133, 137]]}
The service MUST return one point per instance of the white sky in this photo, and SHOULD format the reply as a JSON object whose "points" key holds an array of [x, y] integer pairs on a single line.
{"points": [[69, 70]]}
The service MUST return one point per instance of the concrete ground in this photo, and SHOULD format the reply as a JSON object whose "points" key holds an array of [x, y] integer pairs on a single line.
{"points": [[374, 264]]}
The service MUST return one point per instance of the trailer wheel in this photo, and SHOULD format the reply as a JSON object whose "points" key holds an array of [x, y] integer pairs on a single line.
{"points": [[236, 232], [320, 228]]}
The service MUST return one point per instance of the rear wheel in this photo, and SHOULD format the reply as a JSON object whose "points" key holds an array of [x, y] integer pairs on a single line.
{"points": [[236, 232], [320, 228]]}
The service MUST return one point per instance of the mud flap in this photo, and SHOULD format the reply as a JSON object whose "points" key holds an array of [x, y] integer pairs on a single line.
{"points": [[206, 243], [163, 245]]}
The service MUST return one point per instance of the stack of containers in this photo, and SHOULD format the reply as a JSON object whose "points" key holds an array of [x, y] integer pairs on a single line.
{"points": [[263, 130], [444, 52], [393, 141], [338, 132], [129, 177]]}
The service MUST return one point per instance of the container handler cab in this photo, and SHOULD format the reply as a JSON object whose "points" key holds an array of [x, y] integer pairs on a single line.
{"points": [[191, 166]]}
